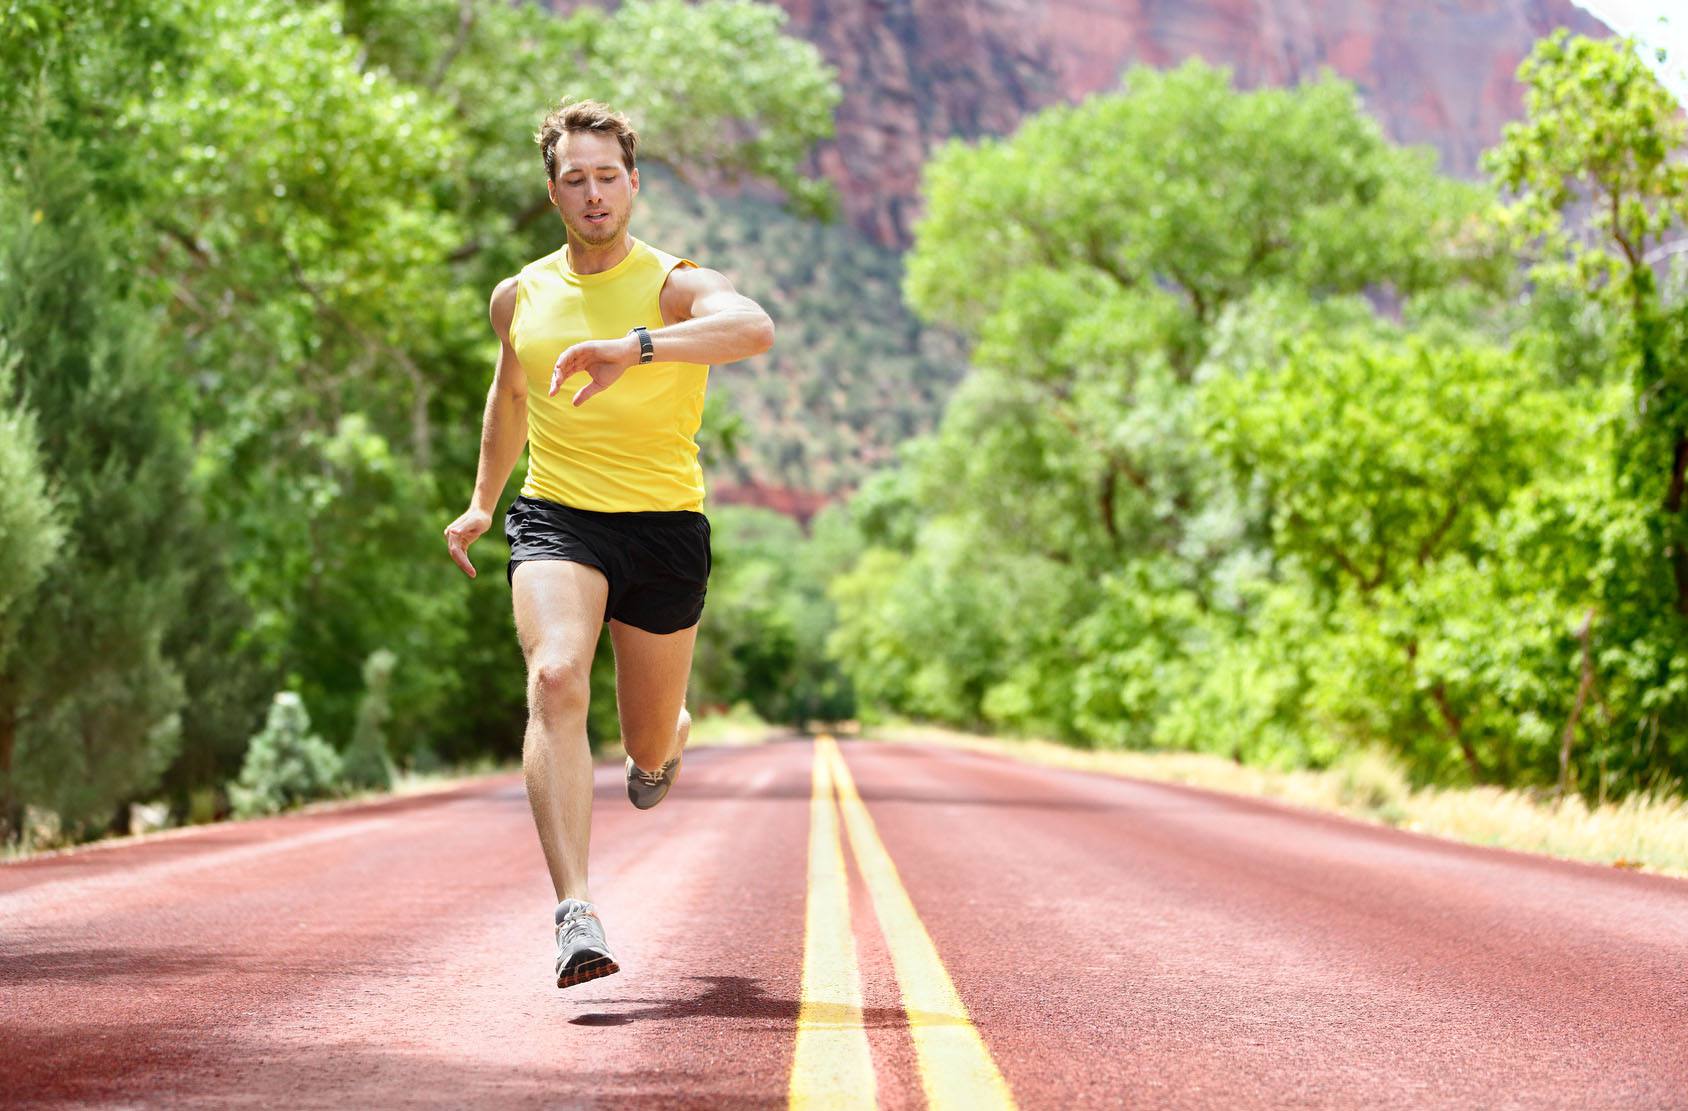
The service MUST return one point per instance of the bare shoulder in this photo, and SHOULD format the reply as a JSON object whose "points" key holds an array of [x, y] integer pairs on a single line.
{"points": [[503, 306], [689, 275], [686, 286]]}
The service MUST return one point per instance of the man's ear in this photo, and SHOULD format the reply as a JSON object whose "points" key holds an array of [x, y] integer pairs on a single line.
{"points": [[633, 179], [551, 190]]}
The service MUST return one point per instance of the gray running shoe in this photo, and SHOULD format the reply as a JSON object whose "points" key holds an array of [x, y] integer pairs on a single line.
{"points": [[582, 954], [646, 789]]}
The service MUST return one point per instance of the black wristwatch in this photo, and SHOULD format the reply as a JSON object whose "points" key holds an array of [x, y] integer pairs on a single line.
{"points": [[647, 350]]}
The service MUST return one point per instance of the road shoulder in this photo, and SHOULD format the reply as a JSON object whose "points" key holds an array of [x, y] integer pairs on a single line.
{"points": [[1636, 835]]}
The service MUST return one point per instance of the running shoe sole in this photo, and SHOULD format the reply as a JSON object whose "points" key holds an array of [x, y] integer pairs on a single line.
{"points": [[591, 968]]}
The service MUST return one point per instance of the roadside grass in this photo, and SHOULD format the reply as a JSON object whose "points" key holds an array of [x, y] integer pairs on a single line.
{"points": [[737, 726], [1639, 833]]}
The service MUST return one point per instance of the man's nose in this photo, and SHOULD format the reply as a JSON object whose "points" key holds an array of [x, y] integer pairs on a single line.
{"points": [[593, 193]]}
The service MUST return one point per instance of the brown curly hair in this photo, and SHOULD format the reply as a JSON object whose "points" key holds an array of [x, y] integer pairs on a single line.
{"points": [[585, 115]]}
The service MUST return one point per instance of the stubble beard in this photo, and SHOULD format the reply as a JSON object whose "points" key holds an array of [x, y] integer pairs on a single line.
{"points": [[599, 237]]}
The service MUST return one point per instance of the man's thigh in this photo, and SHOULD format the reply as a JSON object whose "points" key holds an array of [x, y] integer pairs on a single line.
{"points": [[651, 670], [559, 610]]}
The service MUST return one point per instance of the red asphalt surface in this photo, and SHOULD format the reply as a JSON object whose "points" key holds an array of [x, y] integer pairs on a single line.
{"points": [[1118, 943]]}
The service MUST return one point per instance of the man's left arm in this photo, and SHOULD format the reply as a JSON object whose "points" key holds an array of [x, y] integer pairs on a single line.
{"points": [[705, 320]]}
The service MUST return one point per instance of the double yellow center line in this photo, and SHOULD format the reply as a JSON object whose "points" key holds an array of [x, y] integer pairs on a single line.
{"points": [[833, 1067]]}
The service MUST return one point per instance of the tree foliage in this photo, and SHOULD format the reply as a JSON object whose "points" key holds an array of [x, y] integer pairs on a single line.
{"points": [[90, 702], [272, 228], [1267, 450]]}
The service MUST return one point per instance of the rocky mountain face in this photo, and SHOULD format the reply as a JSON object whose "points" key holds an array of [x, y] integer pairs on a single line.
{"points": [[916, 72]]}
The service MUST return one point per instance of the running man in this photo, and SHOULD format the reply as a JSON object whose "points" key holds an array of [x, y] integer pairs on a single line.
{"points": [[605, 349]]}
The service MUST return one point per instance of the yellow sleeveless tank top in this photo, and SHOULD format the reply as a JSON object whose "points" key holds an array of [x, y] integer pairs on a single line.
{"points": [[633, 447]]}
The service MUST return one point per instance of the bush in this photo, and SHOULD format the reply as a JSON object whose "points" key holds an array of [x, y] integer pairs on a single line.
{"points": [[285, 763], [367, 763]]}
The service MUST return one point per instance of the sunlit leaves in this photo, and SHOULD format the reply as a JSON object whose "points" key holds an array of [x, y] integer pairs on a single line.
{"points": [[1376, 463], [1180, 183], [1244, 402], [1602, 136]]}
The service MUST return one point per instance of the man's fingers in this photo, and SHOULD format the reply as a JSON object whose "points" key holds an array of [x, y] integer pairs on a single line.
{"points": [[591, 389], [567, 366], [454, 544], [558, 373]]}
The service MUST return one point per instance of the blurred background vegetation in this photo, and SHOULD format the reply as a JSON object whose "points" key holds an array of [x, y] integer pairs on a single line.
{"points": [[1194, 419]]}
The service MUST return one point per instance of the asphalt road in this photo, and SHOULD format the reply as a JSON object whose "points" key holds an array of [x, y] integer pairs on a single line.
{"points": [[822, 924]]}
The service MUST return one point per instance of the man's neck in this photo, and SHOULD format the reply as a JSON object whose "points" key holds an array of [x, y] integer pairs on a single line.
{"points": [[587, 259]]}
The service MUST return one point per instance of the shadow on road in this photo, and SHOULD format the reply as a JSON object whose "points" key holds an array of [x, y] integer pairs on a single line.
{"points": [[740, 997], [92, 965], [135, 965], [720, 997]]}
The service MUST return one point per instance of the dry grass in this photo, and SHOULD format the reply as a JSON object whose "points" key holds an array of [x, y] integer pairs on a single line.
{"points": [[1638, 833], [738, 726]]}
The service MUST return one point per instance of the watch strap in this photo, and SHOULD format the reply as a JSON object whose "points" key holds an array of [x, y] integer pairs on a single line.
{"points": [[647, 350]]}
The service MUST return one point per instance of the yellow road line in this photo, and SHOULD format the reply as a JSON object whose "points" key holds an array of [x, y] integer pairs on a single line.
{"points": [[956, 1068], [832, 1067]]}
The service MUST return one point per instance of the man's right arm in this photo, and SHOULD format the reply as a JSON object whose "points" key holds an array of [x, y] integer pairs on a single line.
{"points": [[503, 432]]}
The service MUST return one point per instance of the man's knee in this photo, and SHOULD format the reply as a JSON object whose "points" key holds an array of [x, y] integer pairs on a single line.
{"points": [[559, 684]]}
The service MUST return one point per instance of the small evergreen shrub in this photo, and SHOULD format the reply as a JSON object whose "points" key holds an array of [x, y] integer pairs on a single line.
{"points": [[367, 764], [285, 763]]}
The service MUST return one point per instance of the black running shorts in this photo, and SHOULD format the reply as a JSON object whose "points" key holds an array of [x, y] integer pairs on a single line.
{"points": [[657, 563]]}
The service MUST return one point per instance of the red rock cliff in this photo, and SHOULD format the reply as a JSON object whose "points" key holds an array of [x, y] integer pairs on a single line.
{"points": [[916, 72]]}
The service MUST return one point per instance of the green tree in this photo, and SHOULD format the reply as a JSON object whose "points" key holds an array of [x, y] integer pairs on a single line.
{"points": [[90, 703], [763, 637], [301, 207], [1603, 138], [1598, 193], [1095, 261], [1600, 137], [1378, 468], [331, 275], [31, 538], [1104, 260], [1376, 463], [337, 566]]}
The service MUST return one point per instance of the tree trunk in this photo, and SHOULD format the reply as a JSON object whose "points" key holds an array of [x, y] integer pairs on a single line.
{"points": [[1583, 686], [1678, 548], [1105, 501], [1439, 694]]}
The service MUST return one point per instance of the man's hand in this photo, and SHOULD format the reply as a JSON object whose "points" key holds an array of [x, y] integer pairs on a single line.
{"points": [[463, 532], [603, 359]]}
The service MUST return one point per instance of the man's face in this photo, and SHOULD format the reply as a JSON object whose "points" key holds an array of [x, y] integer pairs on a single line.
{"points": [[593, 191]]}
